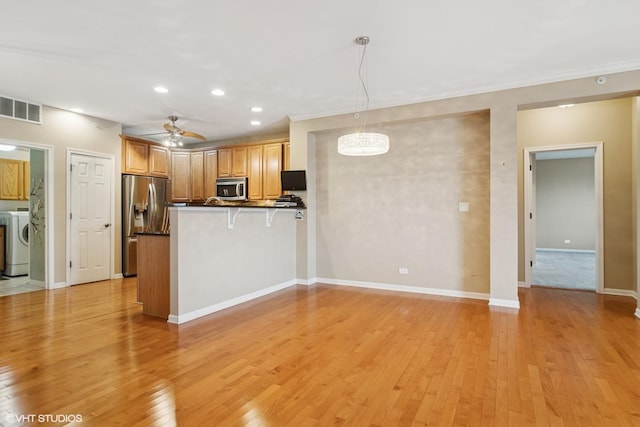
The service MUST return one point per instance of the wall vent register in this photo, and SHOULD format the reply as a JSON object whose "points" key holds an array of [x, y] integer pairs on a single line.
{"points": [[20, 110]]}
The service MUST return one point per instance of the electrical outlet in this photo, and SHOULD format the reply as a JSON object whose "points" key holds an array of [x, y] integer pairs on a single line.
{"points": [[404, 271], [567, 241]]}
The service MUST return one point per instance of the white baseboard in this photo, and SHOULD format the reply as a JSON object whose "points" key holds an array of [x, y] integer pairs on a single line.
{"points": [[182, 318], [506, 303], [638, 312], [306, 282], [402, 288], [59, 285], [117, 276], [523, 285], [620, 292]]}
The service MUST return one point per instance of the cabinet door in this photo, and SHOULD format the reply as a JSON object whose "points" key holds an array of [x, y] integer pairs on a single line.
{"points": [[159, 161], [136, 157], [255, 172], [224, 162], [239, 161], [272, 164], [210, 173], [180, 176], [197, 175], [11, 179], [286, 156]]}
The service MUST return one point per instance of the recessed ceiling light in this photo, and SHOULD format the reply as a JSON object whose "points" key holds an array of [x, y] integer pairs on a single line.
{"points": [[566, 105], [5, 147], [161, 89], [217, 92], [255, 122], [256, 109], [77, 110]]}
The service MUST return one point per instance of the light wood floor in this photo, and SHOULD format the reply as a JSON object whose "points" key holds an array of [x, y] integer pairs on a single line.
{"points": [[322, 356]]}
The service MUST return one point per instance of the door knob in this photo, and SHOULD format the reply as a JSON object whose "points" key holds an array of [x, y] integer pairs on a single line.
{"points": [[107, 225]]}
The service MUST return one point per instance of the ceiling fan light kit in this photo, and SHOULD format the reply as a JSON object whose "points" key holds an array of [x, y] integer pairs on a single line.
{"points": [[361, 142]]}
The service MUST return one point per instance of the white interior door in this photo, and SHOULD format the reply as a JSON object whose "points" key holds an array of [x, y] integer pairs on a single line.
{"points": [[90, 218]]}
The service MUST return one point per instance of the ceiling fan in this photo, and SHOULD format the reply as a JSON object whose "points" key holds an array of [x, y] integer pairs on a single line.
{"points": [[175, 134]]}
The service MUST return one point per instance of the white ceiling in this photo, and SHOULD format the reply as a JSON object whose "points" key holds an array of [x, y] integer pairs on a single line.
{"points": [[295, 58]]}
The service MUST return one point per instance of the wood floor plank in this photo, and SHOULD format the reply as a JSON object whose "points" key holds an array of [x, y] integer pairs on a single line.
{"points": [[322, 355]]}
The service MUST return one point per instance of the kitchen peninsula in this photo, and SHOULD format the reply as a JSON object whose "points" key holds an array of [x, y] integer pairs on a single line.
{"points": [[224, 255]]}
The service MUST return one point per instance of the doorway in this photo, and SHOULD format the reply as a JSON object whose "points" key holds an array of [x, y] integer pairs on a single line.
{"points": [[28, 209], [90, 240], [552, 265]]}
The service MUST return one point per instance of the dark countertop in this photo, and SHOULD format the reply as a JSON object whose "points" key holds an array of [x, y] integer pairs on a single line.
{"points": [[152, 233], [263, 204]]}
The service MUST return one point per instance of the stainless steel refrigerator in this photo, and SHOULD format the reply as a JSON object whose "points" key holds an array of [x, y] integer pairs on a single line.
{"points": [[143, 210]]}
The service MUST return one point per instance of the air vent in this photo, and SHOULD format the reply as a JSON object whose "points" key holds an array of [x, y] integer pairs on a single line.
{"points": [[20, 110]]}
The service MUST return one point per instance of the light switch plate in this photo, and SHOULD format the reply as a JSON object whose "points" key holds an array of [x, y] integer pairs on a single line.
{"points": [[463, 207]]}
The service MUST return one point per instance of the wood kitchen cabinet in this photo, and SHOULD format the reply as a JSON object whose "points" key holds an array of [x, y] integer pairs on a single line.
{"points": [[180, 176], [224, 162], [239, 161], [159, 161], [271, 165], [286, 156], [154, 274], [232, 162], [141, 157], [254, 154], [12, 179], [210, 173], [135, 157], [197, 176]]}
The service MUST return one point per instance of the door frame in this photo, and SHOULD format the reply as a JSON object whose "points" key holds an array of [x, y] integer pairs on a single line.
{"points": [[529, 207], [49, 250], [70, 152]]}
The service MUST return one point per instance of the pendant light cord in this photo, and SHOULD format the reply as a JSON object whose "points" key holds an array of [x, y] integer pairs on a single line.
{"points": [[364, 86]]}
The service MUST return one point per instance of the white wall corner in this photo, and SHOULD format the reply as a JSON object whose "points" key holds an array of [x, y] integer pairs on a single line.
{"points": [[638, 312], [505, 303]]}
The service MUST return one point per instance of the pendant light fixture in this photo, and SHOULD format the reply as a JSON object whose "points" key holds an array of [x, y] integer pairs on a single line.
{"points": [[361, 142]]}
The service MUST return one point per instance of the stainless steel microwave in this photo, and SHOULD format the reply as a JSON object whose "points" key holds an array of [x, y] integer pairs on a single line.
{"points": [[232, 188]]}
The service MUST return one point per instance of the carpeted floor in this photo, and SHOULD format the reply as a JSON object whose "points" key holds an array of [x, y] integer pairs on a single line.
{"points": [[565, 269]]}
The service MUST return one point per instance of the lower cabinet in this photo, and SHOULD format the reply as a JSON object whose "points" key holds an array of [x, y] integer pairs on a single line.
{"points": [[153, 274]]}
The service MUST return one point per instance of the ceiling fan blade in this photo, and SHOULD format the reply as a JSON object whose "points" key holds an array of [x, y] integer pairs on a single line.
{"points": [[156, 133], [193, 135]]}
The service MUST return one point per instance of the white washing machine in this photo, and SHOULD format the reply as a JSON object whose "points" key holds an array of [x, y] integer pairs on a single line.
{"points": [[16, 256]]}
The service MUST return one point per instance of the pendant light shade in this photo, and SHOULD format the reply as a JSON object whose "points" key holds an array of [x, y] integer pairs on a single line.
{"points": [[361, 142]]}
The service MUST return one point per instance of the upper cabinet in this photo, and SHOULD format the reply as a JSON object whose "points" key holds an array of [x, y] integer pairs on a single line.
{"points": [[224, 162], [272, 165], [239, 161], [12, 182], [210, 173], [159, 163], [197, 175], [255, 172], [141, 157]]}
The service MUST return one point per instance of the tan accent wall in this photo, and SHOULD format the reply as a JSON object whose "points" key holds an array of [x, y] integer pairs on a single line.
{"points": [[609, 122], [378, 214], [63, 129]]}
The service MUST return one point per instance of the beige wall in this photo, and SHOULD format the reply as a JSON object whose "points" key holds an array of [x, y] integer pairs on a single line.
{"points": [[609, 122], [565, 204], [504, 159], [62, 130], [378, 214]]}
